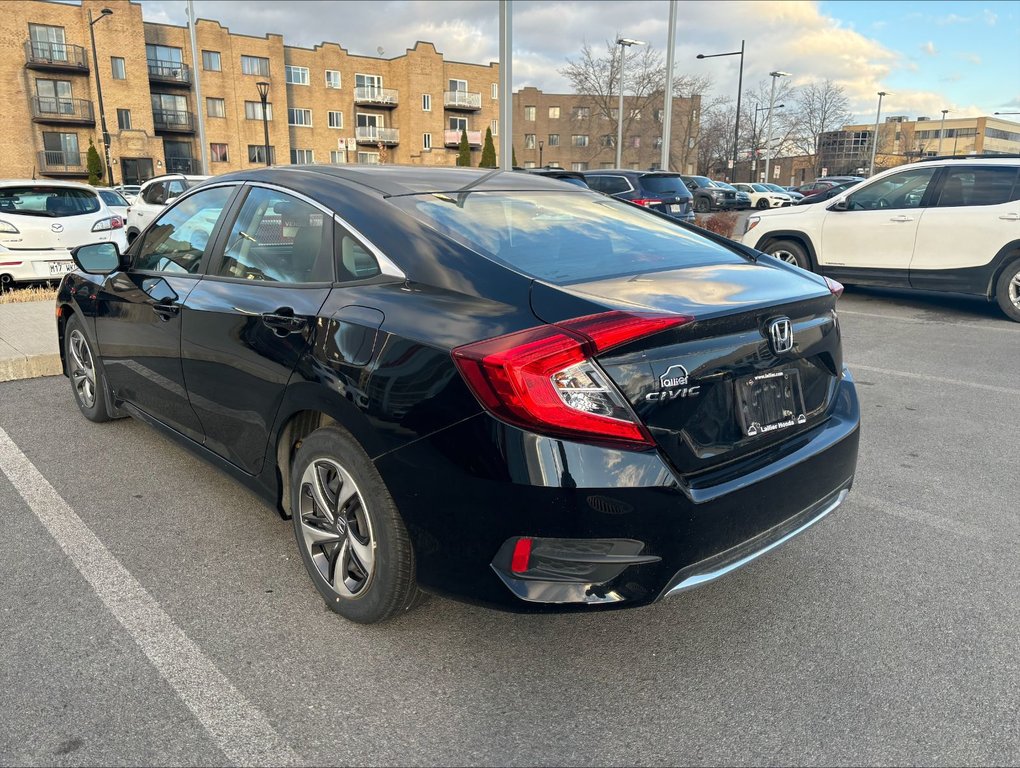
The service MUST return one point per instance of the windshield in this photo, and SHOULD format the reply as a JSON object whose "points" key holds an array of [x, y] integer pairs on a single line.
{"points": [[663, 183], [112, 198], [775, 188], [52, 202], [701, 181], [761, 188], [563, 237], [723, 185]]}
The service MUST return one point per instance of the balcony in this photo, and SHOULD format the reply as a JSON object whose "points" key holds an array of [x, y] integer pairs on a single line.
{"points": [[62, 111], [56, 57], [452, 138], [372, 135], [181, 165], [462, 100], [62, 164], [375, 97], [173, 121], [169, 72]]}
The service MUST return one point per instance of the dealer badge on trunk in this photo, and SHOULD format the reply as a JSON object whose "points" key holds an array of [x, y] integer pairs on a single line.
{"points": [[673, 384]]}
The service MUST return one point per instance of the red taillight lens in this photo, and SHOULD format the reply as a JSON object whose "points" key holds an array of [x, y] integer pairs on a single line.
{"points": [[543, 379], [521, 558], [645, 201], [117, 223], [835, 287]]}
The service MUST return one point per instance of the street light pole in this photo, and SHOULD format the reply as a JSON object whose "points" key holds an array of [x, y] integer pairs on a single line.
{"points": [[624, 43], [263, 87], [99, 92], [772, 104], [754, 138], [874, 137], [541, 146], [942, 129], [740, 88]]}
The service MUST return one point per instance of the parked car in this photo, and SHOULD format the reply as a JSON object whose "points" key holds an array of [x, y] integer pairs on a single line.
{"points": [[129, 191], [570, 177], [784, 191], [827, 194], [41, 221], [153, 197], [946, 224], [815, 187], [743, 199], [708, 196], [763, 196], [840, 179], [114, 201], [489, 385], [656, 190]]}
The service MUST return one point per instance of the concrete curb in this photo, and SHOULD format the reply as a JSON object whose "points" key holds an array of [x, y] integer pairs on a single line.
{"points": [[29, 367], [28, 341]]}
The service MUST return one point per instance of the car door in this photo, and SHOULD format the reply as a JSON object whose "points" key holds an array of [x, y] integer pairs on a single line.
{"points": [[875, 233], [247, 323], [974, 214], [138, 311]]}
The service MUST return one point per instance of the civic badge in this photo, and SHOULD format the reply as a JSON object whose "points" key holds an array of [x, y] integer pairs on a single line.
{"points": [[780, 335], [57, 227]]}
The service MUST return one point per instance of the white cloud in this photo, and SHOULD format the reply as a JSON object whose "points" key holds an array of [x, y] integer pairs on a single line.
{"points": [[972, 58], [990, 17], [930, 49]]}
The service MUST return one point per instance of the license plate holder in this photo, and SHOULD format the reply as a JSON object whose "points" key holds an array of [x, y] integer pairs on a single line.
{"points": [[769, 402]]}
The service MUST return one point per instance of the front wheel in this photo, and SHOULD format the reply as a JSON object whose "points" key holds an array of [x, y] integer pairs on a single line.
{"points": [[352, 539], [1007, 291], [789, 251], [88, 382], [762, 204]]}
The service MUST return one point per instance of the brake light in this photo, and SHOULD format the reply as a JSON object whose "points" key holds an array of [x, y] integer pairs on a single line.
{"points": [[118, 222], [645, 201], [105, 225], [835, 287], [545, 380]]}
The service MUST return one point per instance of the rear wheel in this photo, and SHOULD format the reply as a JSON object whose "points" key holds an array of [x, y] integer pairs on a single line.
{"points": [[351, 537], [762, 204], [701, 205], [88, 382], [789, 251], [1007, 291]]}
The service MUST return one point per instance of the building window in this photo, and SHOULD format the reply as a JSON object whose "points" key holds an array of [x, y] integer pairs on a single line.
{"points": [[47, 42], [554, 113], [458, 124], [166, 58], [299, 116], [255, 65], [217, 107], [257, 153], [635, 142], [332, 78], [635, 114], [494, 125], [579, 140], [580, 113], [118, 68], [211, 61], [336, 157], [335, 119], [368, 158], [495, 90], [529, 113], [457, 86], [217, 153], [124, 119], [554, 140], [658, 115], [253, 110], [296, 75], [426, 102], [301, 156], [608, 140], [529, 141], [426, 141], [529, 163], [579, 166]]}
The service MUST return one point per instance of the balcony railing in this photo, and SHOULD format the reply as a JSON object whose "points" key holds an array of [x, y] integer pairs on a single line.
{"points": [[63, 163], [172, 120], [171, 72], [462, 100], [380, 97], [44, 55], [452, 138], [181, 165], [372, 135], [51, 110]]}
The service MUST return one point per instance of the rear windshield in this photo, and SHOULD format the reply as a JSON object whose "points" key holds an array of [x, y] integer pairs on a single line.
{"points": [[663, 183], [53, 202], [112, 198], [563, 237]]}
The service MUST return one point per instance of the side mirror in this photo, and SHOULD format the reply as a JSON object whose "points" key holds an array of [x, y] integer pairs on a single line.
{"points": [[97, 258], [840, 205]]}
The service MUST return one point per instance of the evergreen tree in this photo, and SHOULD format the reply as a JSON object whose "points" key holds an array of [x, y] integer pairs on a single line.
{"points": [[464, 156], [488, 151], [94, 165], [513, 156]]}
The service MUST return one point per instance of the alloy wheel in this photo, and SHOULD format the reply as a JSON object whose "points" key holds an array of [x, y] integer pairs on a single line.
{"points": [[1014, 290], [83, 369], [336, 529], [784, 255]]}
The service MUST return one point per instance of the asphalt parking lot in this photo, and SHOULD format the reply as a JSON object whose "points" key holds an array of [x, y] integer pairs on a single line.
{"points": [[152, 611]]}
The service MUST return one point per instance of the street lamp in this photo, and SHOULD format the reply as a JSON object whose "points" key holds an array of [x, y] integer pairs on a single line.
{"points": [[624, 43], [541, 146], [99, 92], [754, 138], [740, 87], [772, 105], [1006, 113], [263, 87], [942, 127], [874, 138]]}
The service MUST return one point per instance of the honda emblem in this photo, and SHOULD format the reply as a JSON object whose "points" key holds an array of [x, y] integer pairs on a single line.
{"points": [[780, 335]]}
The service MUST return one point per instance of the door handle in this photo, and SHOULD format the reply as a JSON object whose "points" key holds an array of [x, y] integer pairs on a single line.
{"points": [[901, 218], [166, 310], [1010, 217], [283, 322]]}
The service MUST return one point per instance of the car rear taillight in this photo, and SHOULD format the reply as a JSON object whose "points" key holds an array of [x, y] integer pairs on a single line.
{"points": [[105, 225], [545, 379], [8, 229], [835, 287], [645, 201]]}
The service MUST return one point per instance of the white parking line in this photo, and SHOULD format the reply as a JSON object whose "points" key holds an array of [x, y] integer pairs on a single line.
{"points": [[920, 321], [240, 730], [936, 379]]}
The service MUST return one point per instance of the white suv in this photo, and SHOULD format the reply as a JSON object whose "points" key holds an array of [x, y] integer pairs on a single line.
{"points": [[946, 224], [154, 196]]}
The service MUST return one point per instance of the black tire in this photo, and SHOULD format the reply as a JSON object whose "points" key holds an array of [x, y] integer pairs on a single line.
{"points": [[762, 204], [364, 566], [789, 251], [702, 205], [131, 235], [85, 370], [1007, 291]]}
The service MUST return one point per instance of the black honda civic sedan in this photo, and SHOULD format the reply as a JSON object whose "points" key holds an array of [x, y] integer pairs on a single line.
{"points": [[482, 384]]}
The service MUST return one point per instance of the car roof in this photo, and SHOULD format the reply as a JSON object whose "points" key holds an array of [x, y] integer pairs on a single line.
{"points": [[171, 176], [44, 183]]}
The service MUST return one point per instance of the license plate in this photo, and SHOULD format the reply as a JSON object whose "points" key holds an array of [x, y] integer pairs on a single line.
{"points": [[674, 208], [60, 267], [769, 402]]}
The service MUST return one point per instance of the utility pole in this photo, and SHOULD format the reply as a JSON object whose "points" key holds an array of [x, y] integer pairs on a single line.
{"points": [[99, 92], [506, 107], [199, 111]]}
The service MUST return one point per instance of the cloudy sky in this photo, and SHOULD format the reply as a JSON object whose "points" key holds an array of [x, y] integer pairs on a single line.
{"points": [[962, 56]]}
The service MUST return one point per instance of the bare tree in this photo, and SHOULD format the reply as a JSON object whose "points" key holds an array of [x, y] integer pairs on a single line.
{"points": [[820, 107], [755, 119]]}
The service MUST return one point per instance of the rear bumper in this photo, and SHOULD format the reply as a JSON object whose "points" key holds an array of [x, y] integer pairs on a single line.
{"points": [[491, 483]]}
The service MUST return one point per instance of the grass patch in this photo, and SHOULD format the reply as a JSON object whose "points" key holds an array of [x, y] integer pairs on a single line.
{"points": [[42, 292]]}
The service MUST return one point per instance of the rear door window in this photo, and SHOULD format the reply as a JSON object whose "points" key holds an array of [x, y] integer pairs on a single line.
{"points": [[979, 185], [52, 202]]}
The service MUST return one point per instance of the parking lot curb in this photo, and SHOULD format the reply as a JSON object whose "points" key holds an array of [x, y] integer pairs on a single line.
{"points": [[29, 367], [28, 341]]}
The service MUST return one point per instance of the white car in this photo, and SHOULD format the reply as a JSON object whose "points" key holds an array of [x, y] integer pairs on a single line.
{"points": [[41, 221], [115, 201], [154, 196], [762, 197], [946, 224]]}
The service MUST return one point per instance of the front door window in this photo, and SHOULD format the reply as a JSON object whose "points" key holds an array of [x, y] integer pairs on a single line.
{"points": [[899, 190], [177, 240]]}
